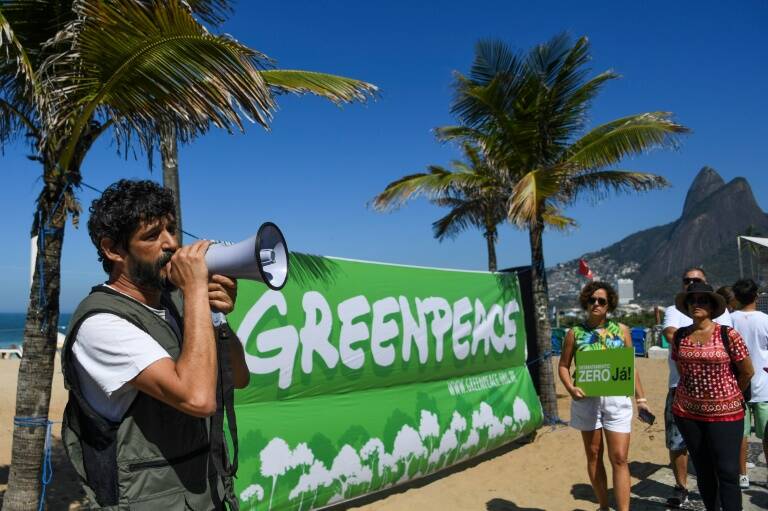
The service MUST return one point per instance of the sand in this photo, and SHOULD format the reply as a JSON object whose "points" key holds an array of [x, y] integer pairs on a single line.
{"points": [[547, 474]]}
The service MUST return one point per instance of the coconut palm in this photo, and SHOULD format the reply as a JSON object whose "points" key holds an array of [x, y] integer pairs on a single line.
{"points": [[474, 191], [529, 114], [72, 71], [337, 89]]}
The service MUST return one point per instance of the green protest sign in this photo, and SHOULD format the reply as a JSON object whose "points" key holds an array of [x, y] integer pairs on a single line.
{"points": [[606, 372], [367, 375]]}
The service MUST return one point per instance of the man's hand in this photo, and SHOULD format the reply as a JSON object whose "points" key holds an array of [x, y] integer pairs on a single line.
{"points": [[222, 293], [187, 268]]}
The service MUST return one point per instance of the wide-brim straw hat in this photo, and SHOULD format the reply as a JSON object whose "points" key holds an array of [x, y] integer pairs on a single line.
{"points": [[700, 288]]}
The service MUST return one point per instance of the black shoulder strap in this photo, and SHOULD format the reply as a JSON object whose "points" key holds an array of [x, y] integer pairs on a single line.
{"points": [[724, 330], [679, 334], [225, 465]]}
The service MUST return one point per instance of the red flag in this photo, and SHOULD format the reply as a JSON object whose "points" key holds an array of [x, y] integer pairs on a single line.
{"points": [[584, 269]]}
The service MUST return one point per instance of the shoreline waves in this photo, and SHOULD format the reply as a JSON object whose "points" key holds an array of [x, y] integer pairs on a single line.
{"points": [[12, 327]]}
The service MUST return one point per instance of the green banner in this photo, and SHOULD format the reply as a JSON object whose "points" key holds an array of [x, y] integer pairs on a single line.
{"points": [[366, 375], [606, 372]]}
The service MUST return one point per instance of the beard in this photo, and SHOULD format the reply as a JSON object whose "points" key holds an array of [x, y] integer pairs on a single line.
{"points": [[147, 274]]}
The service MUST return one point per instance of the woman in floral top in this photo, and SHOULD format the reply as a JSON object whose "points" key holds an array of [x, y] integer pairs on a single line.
{"points": [[708, 404], [592, 415]]}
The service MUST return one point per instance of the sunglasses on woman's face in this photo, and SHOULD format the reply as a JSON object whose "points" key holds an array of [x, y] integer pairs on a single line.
{"points": [[698, 300], [600, 301], [690, 280]]}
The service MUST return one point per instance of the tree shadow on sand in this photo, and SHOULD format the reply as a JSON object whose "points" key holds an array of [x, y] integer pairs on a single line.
{"points": [[506, 505], [64, 491], [307, 269]]}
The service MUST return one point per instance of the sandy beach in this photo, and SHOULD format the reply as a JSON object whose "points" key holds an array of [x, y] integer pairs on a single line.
{"points": [[548, 473]]}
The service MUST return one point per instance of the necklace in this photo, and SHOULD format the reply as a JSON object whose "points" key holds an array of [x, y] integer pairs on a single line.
{"points": [[698, 338]]}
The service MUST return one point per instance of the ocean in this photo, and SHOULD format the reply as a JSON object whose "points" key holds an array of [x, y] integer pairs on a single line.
{"points": [[12, 327]]}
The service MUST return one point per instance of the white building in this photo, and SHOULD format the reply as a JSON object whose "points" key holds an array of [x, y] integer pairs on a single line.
{"points": [[626, 290]]}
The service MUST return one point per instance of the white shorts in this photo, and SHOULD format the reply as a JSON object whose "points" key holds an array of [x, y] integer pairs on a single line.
{"points": [[613, 413]]}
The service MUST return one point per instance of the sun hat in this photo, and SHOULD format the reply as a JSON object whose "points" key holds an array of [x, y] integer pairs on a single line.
{"points": [[700, 288]]}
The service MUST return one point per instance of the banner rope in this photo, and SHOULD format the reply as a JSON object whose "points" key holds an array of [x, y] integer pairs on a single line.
{"points": [[547, 420], [47, 473]]}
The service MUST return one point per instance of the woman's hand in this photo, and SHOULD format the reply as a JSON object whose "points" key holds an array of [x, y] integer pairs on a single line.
{"points": [[576, 393]]}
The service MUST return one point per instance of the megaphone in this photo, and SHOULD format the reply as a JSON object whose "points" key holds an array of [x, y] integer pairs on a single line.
{"points": [[262, 257]]}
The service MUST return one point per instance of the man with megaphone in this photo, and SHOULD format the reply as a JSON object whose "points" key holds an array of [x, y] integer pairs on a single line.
{"points": [[149, 375]]}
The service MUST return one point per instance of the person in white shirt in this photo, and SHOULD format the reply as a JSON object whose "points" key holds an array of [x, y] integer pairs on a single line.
{"points": [[753, 327], [678, 451], [151, 377]]}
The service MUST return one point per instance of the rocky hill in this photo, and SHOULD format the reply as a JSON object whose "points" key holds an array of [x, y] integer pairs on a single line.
{"points": [[714, 213]]}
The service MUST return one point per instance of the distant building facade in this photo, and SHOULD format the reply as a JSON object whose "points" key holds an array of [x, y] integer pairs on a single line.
{"points": [[626, 288]]}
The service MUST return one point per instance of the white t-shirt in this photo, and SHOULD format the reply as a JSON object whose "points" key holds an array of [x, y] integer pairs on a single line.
{"points": [[676, 319], [753, 327], [110, 351]]}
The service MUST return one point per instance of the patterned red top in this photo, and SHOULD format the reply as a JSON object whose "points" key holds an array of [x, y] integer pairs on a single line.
{"points": [[708, 390]]}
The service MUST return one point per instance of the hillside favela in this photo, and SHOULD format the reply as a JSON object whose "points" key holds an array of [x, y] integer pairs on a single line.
{"points": [[383, 256], [647, 264]]}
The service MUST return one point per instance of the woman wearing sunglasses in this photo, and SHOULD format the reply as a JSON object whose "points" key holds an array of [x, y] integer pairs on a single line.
{"points": [[714, 366], [592, 415]]}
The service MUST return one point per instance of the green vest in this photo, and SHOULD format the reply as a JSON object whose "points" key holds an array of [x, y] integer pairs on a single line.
{"points": [[156, 457]]}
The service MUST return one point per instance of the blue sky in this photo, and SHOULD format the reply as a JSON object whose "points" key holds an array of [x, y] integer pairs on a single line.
{"points": [[316, 170]]}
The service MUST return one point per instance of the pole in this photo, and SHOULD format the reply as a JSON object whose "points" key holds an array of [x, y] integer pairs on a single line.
{"points": [[741, 266]]}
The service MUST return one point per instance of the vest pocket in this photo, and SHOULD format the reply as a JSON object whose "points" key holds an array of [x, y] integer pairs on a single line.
{"points": [[142, 465], [169, 500], [153, 478]]}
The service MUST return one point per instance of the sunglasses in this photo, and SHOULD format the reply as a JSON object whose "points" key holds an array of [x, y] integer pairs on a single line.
{"points": [[690, 280], [698, 300], [600, 301]]}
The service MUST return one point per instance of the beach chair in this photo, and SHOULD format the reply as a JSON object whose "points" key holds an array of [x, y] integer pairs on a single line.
{"points": [[558, 334], [638, 341]]}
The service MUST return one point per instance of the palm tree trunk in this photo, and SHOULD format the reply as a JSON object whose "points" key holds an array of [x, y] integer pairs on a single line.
{"points": [[490, 239], [546, 383], [33, 392], [169, 151]]}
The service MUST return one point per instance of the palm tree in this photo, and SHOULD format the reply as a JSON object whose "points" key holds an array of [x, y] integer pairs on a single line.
{"points": [[473, 189], [337, 89], [529, 114], [73, 71]]}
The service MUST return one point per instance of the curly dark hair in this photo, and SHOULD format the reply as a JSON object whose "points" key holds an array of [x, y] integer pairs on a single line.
{"points": [[588, 290], [123, 208]]}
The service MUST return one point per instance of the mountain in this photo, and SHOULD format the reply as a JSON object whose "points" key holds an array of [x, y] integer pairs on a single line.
{"points": [[714, 213]]}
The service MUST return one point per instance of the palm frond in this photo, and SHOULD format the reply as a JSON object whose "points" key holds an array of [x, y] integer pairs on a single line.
{"points": [[553, 217], [598, 184], [15, 51], [493, 58], [143, 64], [562, 92], [608, 144], [530, 194], [214, 12], [336, 88], [462, 215], [13, 121], [431, 185]]}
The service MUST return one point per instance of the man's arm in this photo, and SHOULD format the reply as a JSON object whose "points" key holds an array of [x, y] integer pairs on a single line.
{"points": [[189, 383]]}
